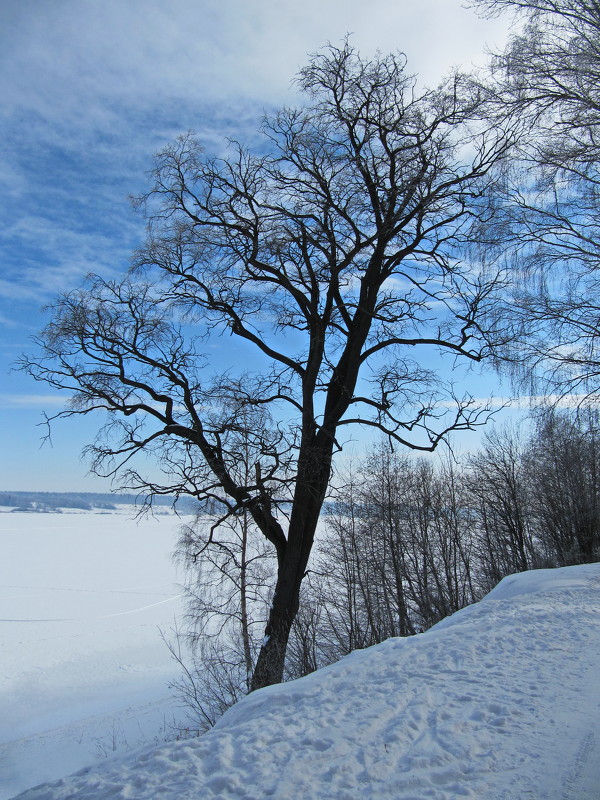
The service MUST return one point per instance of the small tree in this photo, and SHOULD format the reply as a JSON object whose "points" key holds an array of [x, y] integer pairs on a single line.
{"points": [[397, 554], [499, 488], [229, 567], [563, 463], [332, 258]]}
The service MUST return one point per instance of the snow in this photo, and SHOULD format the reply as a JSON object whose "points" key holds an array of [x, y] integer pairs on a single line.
{"points": [[83, 667], [498, 702]]}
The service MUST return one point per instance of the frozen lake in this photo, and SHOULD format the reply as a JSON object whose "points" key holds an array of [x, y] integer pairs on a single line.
{"points": [[83, 668]]}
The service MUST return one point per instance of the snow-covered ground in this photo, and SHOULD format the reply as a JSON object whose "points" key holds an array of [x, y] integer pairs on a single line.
{"points": [[83, 668], [499, 702]]}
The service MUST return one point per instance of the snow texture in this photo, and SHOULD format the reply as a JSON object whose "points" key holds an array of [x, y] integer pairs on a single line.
{"points": [[84, 672], [498, 702]]}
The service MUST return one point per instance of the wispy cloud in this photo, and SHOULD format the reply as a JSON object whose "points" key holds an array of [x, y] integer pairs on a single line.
{"points": [[93, 56], [93, 89], [42, 258], [8, 322], [97, 87], [39, 401], [528, 402]]}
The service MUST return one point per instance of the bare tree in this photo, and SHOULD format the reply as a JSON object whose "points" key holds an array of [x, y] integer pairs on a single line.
{"points": [[547, 215], [398, 554], [503, 525], [344, 577], [229, 567], [409, 541], [563, 462], [335, 260]]}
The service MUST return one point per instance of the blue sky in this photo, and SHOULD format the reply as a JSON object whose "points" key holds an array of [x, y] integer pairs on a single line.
{"points": [[90, 90]]}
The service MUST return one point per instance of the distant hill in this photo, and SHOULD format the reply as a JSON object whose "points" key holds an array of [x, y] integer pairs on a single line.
{"points": [[54, 502]]}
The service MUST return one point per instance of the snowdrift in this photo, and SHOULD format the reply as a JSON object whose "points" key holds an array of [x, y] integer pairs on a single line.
{"points": [[499, 701]]}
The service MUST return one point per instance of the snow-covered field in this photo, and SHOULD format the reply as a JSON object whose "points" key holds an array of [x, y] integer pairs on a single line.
{"points": [[499, 702], [83, 668]]}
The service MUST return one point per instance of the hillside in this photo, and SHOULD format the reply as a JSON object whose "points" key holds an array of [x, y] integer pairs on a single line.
{"points": [[56, 502], [498, 702]]}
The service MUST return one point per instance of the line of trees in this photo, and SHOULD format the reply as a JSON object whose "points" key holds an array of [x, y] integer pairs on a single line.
{"points": [[406, 542]]}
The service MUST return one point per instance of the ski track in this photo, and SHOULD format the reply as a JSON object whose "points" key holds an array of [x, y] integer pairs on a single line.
{"points": [[39, 589], [105, 616], [582, 779]]}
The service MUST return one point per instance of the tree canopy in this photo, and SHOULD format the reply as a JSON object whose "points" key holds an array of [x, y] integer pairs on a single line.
{"points": [[339, 256], [547, 214]]}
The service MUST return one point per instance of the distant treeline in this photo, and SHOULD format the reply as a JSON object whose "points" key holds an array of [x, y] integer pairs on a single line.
{"points": [[86, 501]]}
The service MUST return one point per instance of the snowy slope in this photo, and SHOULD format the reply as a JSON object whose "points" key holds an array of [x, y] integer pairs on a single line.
{"points": [[498, 702]]}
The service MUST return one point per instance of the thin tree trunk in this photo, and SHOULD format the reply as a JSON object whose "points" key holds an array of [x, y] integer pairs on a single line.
{"points": [[244, 602]]}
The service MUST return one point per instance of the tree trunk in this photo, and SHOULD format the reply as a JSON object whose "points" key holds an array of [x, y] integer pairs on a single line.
{"points": [[286, 600], [311, 486], [271, 658]]}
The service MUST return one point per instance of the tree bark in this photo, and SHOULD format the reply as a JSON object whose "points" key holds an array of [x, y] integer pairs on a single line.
{"points": [[311, 487]]}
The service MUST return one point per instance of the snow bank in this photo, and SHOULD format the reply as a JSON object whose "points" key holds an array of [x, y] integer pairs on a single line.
{"points": [[500, 701], [562, 580]]}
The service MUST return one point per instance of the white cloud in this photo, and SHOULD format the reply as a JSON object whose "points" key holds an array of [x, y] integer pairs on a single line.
{"points": [[97, 87], [93, 87], [528, 402], [33, 401], [77, 58], [50, 256], [8, 322]]}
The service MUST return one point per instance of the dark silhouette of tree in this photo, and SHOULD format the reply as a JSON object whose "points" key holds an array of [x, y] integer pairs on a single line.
{"points": [[334, 259]]}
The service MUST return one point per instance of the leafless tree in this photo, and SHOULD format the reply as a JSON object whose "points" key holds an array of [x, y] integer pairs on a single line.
{"points": [[547, 214], [499, 487], [563, 462], [398, 553], [334, 259], [229, 568]]}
